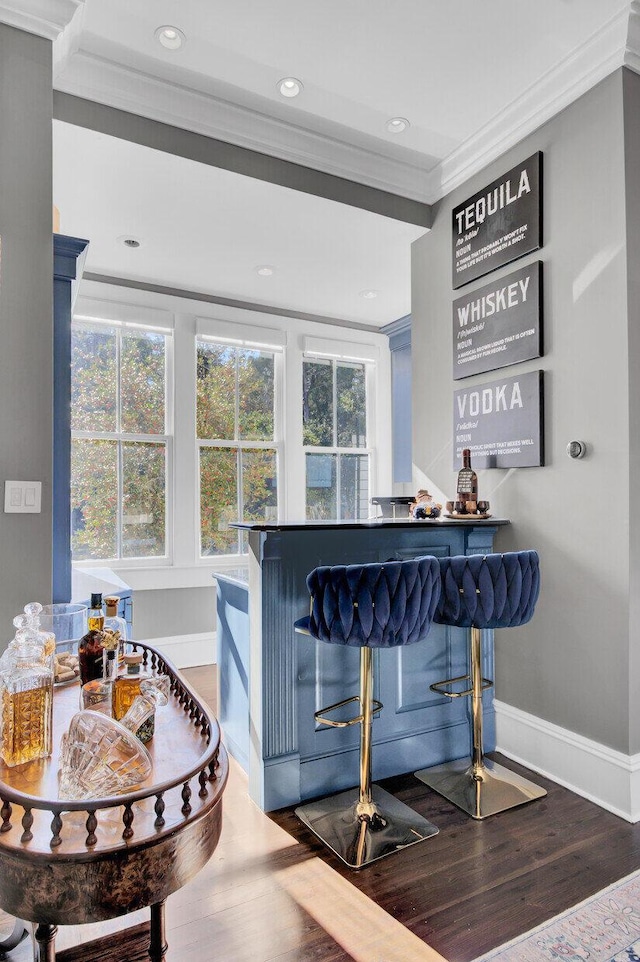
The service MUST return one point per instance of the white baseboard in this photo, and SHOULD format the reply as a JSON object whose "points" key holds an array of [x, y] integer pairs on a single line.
{"points": [[188, 651], [601, 774]]}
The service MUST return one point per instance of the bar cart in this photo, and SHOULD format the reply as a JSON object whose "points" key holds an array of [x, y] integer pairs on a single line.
{"points": [[68, 862]]}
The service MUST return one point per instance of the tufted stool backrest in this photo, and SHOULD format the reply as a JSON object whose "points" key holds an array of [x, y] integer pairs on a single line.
{"points": [[488, 591], [373, 605]]}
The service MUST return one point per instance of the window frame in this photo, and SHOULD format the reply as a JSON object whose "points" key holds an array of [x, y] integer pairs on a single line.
{"points": [[123, 326], [368, 449], [241, 444]]}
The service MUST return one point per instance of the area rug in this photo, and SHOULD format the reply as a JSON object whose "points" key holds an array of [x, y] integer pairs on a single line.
{"points": [[603, 928]]}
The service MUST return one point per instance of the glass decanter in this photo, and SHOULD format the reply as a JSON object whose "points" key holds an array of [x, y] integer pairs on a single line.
{"points": [[100, 756], [33, 612], [26, 696]]}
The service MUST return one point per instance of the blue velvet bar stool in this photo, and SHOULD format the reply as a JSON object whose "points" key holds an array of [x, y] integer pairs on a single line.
{"points": [[368, 606], [483, 591]]}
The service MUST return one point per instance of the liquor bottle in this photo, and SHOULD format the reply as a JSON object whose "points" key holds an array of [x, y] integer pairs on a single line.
{"points": [[110, 654], [116, 623], [467, 489], [95, 618], [26, 696], [90, 656], [125, 689]]}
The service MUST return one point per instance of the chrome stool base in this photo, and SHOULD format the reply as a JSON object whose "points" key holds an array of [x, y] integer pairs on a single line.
{"points": [[387, 825], [486, 790]]}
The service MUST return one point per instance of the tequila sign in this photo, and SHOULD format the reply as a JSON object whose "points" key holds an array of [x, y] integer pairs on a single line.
{"points": [[498, 224]]}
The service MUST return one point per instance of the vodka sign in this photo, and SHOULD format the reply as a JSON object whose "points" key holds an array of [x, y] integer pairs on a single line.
{"points": [[498, 224], [501, 422]]}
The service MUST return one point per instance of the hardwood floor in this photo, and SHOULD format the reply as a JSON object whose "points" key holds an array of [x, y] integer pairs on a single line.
{"points": [[272, 893], [477, 884]]}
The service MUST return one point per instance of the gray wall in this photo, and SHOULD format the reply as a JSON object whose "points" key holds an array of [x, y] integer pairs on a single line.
{"points": [[571, 664], [26, 290], [173, 611]]}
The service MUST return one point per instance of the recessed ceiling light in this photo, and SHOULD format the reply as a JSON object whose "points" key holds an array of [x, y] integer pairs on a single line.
{"points": [[397, 125], [369, 295], [265, 271], [170, 37], [129, 241], [290, 87]]}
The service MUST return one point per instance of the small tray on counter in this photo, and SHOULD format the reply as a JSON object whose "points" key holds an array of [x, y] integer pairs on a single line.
{"points": [[466, 517]]}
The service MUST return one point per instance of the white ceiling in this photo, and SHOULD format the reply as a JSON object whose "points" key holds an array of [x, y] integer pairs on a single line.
{"points": [[471, 76]]}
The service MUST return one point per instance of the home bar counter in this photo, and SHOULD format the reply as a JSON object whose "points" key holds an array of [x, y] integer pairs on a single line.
{"points": [[272, 679]]}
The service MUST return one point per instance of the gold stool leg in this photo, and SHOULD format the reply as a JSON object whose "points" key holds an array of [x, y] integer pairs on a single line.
{"points": [[365, 827], [479, 786]]}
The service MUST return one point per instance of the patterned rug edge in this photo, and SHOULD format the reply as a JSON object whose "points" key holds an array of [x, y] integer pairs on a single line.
{"points": [[495, 955]]}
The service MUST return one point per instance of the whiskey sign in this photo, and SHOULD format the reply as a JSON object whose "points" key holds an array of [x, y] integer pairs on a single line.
{"points": [[499, 324], [498, 224], [501, 422]]}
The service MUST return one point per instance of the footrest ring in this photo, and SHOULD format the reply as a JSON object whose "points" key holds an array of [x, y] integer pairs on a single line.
{"points": [[440, 689], [376, 707]]}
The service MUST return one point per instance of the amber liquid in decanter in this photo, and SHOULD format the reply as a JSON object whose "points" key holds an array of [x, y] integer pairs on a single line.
{"points": [[26, 725], [26, 703]]}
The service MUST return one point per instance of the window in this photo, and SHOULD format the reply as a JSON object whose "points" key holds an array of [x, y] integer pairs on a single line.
{"points": [[334, 434], [235, 430], [119, 442]]}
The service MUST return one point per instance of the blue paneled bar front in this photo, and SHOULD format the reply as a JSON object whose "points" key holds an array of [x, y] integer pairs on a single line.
{"points": [[272, 679]]}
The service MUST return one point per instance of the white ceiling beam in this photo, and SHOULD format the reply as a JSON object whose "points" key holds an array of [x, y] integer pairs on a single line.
{"points": [[240, 160]]}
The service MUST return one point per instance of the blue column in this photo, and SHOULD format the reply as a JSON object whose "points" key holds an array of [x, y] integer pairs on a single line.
{"points": [[68, 257]]}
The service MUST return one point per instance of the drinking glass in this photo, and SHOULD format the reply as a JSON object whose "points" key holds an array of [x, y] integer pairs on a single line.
{"points": [[67, 621]]}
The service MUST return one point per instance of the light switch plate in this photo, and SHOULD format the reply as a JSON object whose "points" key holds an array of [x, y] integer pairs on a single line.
{"points": [[22, 497]]}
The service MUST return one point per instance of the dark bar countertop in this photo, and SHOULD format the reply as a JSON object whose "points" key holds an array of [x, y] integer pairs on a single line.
{"points": [[368, 523]]}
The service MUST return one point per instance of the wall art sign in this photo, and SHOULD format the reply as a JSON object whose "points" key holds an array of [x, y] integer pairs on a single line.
{"points": [[498, 224], [499, 324], [502, 422]]}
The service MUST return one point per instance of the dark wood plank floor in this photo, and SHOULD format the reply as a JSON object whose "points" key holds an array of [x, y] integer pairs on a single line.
{"points": [[478, 884]]}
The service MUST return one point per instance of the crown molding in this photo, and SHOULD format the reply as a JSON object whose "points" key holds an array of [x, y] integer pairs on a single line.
{"points": [[632, 53], [400, 326], [600, 55], [86, 75], [94, 78], [46, 18]]}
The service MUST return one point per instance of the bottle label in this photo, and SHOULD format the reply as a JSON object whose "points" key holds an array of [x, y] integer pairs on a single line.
{"points": [[465, 481]]}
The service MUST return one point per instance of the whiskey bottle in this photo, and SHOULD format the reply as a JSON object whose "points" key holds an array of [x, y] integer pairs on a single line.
{"points": [[90, 656], [125, 689], [467, 489], [26, 697], [95, 618]]}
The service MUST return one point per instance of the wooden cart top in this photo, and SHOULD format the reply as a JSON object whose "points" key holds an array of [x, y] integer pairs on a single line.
{"points": [[188, 775]]}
